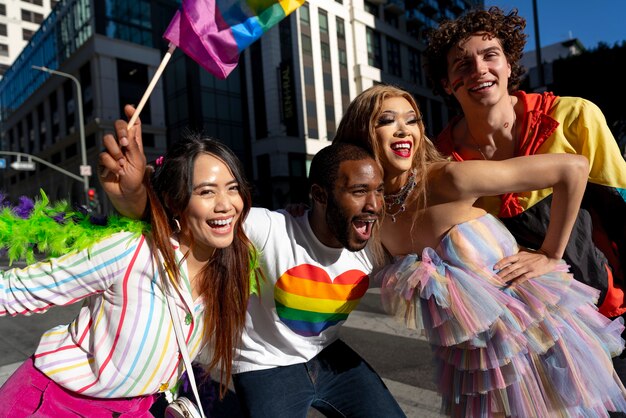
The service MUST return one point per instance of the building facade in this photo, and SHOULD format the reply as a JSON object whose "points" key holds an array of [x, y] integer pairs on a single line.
{"points": [[19, 20], [111, 48], [276, 110], [303, 74]]}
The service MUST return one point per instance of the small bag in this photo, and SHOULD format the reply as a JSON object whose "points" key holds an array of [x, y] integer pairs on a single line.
{"points": [[182, 408]]}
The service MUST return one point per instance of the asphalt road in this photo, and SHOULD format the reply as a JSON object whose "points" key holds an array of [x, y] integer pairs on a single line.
{"points": [[400, 356]]}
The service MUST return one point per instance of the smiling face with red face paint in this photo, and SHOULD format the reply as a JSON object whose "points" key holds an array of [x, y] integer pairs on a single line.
{"points": [[398, 134], [478, 71]]}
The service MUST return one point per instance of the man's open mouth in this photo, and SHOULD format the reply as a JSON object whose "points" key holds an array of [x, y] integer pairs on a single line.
{"points": [[363, 227]]}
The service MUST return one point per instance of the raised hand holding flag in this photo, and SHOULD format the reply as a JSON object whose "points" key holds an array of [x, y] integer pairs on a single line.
{"points": [[215, 32]]}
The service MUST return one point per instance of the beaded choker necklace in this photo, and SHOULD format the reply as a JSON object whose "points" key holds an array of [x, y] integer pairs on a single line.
{"points": [[399, 198]]}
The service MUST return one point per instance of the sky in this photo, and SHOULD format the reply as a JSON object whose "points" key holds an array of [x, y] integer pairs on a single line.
{"points": [[589, 21]]}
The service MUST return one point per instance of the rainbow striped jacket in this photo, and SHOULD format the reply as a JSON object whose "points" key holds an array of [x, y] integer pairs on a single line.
{"points": [[122, 343]]}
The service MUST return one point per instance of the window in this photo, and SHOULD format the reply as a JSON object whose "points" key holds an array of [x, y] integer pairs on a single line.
{"points": [[3, 9], [36, 2], [4, 68], [415, 66], [325, 51], [341, 28], [4, 50], [311, 111], [307, 48], [328, 81], [42, 124], [129, 21], [371, 8], [391, 18], [330, 121], [323, 17], [28, 16], [54, 116], [304, 14], [373, 48], [70, 106], [343, 57], [71, 151], [87, 88], [309, 76], [345, 90], [394, 66], [132, 78], [3, 29], [27, 34]]}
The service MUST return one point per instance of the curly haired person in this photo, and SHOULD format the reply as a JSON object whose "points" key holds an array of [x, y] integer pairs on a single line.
{"points": [[474, 62]]}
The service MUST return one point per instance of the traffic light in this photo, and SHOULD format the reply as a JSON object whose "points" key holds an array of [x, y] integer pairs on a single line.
{"points": [[93, 198]]}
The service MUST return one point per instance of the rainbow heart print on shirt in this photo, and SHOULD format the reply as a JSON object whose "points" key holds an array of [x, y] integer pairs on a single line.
{"points": [[308, 301]]}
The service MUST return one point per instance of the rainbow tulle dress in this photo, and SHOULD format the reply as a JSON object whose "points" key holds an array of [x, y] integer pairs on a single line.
{"points": [[537, 349]]}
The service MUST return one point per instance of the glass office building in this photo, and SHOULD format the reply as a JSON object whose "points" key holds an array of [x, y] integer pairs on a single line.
{"points": [[113, 47]]}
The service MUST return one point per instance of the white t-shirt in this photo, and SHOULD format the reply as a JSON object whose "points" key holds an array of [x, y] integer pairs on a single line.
{"points": [[308, 292]]}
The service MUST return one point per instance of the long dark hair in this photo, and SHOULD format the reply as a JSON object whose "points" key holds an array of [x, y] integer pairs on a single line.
{"points": [[225, 281]]}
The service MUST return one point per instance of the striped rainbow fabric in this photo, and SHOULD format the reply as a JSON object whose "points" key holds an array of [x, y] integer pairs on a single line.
{"points": [[214, 32], [308, 301]]}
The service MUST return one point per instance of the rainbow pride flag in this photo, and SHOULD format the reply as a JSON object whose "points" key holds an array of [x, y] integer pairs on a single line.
{"points": [[214, 32]]}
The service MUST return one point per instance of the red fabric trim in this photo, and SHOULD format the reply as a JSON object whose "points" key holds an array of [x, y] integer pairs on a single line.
{"points": [[537, 126], [613, 304]]}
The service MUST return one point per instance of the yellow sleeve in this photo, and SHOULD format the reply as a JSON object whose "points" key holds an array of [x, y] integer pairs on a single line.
{"points": [[583, 130]]}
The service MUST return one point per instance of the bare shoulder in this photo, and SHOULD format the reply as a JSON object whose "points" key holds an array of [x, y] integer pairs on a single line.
{"points": [[444, 179]]}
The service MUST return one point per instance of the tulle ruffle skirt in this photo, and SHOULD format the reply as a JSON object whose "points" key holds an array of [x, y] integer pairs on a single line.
{"points": [[537, 349]]}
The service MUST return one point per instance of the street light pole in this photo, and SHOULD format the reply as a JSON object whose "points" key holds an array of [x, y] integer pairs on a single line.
{"points": [[81, 125], [542, 79]]}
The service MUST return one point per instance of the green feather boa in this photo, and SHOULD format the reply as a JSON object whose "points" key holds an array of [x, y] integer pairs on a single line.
{"points": [[55, 230]]}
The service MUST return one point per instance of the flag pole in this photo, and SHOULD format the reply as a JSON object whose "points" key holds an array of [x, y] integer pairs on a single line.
{"points": [[155, 78]]}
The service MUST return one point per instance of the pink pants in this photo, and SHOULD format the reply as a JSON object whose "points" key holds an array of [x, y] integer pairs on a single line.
{"points": [[30, 393]]}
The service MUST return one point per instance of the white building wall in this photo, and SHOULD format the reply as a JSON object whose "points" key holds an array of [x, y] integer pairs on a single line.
{"points": [[15, 25]]}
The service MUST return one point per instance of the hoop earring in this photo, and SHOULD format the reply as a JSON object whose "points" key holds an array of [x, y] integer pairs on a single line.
{"points": [[177, 225]]}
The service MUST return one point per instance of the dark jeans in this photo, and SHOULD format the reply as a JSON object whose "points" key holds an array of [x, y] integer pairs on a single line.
{"points": [[337, 382]]}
